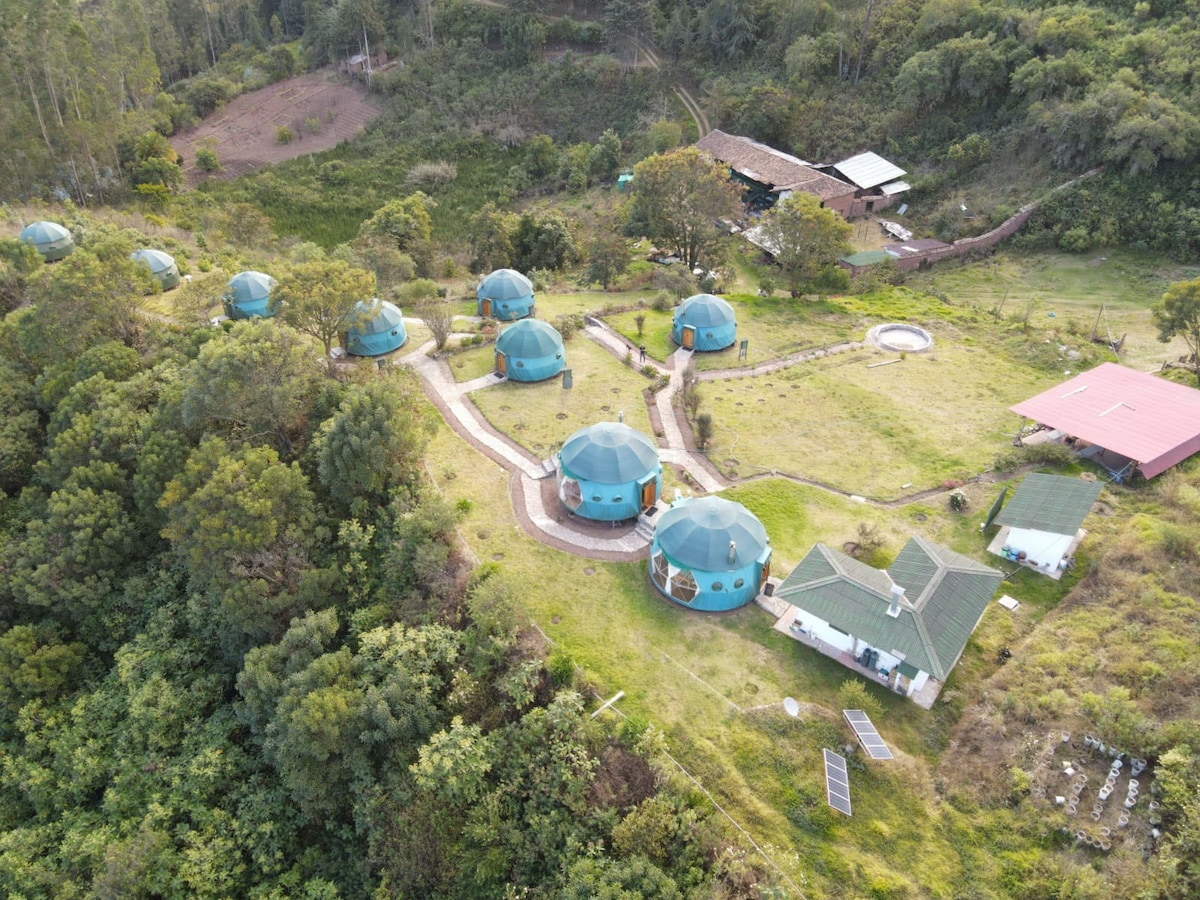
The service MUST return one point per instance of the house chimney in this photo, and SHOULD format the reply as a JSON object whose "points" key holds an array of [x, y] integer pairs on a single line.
{"points": [[733, 551], [897, 600]]}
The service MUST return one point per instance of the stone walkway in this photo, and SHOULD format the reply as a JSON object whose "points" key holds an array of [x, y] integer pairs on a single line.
{"points": [[451, 398], [675, 451], [462, 416]]}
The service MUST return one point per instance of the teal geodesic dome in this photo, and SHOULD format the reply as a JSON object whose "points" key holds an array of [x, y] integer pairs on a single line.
{"points": [[529, 350], [383, 332], [50, 239], [609, 472], [249, 295], [704, 322], [505, 294], [162, 266], [709, 553]]}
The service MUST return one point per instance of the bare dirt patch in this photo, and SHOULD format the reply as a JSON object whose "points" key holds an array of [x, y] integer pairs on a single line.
{"points": [[321, 109]]}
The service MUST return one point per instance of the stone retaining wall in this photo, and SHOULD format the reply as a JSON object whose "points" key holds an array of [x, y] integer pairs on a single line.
{"points": [[964, 246]]}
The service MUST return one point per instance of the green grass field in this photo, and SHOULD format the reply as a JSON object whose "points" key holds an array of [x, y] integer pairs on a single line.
{"points": [[541, 416], [474, 363], [1072, 286], [879, 432]]}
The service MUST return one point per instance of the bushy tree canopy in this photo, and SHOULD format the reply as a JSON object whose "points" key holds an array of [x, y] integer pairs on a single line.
{"points": [[679, 199]]}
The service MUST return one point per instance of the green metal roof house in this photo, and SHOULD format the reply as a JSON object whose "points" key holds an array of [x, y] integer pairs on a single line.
{"points": [[908, 625], [162, 266], [709, 553], [51, 240], [609, 472], [1043, 522]]}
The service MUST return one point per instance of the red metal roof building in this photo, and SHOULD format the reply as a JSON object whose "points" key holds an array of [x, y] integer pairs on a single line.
{"points": [[1149, 421]]}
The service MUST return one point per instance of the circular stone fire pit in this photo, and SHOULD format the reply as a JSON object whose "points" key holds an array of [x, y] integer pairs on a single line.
{"points": [[900, 338]]}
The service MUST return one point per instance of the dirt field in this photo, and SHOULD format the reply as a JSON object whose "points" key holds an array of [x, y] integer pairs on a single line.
{"points": [[243, 134]]}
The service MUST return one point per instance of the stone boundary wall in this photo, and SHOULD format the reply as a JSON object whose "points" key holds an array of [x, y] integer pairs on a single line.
{"points": [[963, 246]]}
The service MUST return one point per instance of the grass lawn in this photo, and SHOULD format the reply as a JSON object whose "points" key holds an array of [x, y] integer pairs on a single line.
{"points": [[920, 421], [774, 327], [541, 416], [473, 363], [550, 305], [1072, 286], [797, 516], [656, 331]]}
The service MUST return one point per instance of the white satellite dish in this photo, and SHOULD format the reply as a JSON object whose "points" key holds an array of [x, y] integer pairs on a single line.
{"points": [[791, 706]]}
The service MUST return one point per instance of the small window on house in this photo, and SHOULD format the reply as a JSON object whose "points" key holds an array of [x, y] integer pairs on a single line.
{"points": [[570, 494], [618, 498], [684, 587], [558, 356], [596, 498], [660, 570], [739, 583], [717, 586], [520, 364]]}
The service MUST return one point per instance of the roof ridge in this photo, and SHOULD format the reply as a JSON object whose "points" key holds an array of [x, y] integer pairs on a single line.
{"points": [[937, 552], [937, 670], [836, 561]]}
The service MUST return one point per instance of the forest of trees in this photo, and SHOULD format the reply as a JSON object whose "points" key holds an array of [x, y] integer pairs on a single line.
{"points": [[240, 654], [946, 86]]}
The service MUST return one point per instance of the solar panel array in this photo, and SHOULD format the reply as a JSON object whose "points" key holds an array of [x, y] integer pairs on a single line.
{"points": [[837, 782], [866, 734]]}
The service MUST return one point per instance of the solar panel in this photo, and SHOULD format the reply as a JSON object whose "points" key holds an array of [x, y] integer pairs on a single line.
{"points": [[867, 735], [837, 782]]}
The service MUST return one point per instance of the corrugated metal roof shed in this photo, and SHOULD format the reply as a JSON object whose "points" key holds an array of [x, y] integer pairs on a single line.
{"points": [[1051, 503], [868, 170], [1147, 419], [912, 248]]}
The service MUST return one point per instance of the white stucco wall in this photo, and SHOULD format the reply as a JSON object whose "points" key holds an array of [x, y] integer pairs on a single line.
{"points": [[830, 636]]}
